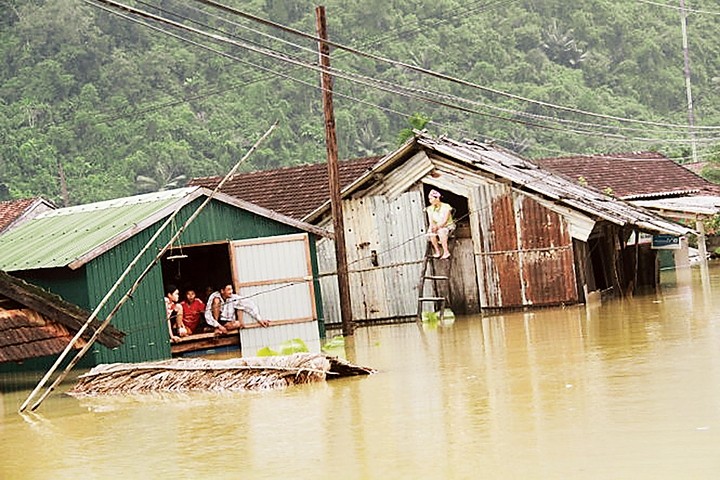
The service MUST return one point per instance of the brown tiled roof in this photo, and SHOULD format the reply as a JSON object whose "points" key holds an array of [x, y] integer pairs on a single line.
{"points": [[11, 210], [25, 334], [292, 191], [35, 323], [631, 175]]}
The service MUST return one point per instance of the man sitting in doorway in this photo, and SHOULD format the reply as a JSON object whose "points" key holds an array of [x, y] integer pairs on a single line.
{"points": [[224, 310], [193, 312], [441, 224]]}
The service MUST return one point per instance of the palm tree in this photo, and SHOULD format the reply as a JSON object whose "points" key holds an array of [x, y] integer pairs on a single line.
{"points": [[165, 178], [561, 47], [368, 143]]}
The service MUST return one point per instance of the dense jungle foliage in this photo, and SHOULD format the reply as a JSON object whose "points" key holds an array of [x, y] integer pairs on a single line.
{"points": [[94, 105]]}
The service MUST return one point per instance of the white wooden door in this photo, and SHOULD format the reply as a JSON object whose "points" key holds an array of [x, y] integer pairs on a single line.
{"points": [[276, 274]]}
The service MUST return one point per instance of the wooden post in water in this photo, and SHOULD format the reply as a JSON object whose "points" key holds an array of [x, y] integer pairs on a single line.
{"points": [[334, 175]]}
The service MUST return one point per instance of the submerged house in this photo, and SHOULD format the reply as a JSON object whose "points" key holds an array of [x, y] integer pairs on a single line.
{"points": [[36, 324], [80, 252], [15, 212], [525, 236], [649, 180]]}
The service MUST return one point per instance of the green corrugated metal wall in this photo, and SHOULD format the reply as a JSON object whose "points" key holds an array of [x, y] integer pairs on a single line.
{"points": [[142, 318]]}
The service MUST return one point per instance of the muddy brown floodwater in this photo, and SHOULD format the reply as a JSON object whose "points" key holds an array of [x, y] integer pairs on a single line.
{"points": [[629, 389]]}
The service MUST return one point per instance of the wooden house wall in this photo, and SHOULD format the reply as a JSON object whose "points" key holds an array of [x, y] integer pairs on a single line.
{"points": [[385, 245]]}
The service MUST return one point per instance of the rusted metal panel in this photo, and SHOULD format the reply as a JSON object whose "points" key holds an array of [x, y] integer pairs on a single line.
{"points": [[527, 256], [499, 265], [546, 255]]}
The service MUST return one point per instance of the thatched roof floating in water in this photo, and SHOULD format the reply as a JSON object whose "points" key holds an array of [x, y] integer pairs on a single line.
{"points": [[197, 374]]}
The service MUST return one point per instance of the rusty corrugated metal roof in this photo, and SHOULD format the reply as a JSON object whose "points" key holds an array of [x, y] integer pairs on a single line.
{"points": [[631, 175], [292, 191], [525, 176]]}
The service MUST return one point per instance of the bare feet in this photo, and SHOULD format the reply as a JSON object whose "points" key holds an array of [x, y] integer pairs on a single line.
{"points": [[446, 256], [436, 255]]}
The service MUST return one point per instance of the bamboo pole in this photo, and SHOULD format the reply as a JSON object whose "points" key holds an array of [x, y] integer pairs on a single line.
{"points": [[134, 286], [94, 314]]}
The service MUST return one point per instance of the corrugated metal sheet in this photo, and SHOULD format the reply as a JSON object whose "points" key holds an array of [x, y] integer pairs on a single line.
{"points": [[73, 236], [276, 274], [527, 256], [546, 256], [143, 317], [385, 245], [526, 175], [60, 237]]}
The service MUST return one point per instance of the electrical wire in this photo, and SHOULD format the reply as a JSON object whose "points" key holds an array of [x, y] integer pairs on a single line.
{"points": [[438, 75], [673, 7], [420, 94]]}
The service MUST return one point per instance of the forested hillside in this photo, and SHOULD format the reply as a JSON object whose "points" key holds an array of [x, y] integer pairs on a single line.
{"points": [[97, 105]]}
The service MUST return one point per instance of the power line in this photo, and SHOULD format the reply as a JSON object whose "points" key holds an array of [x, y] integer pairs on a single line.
{"points": [[390, 87], [673, 7], [432, 73]]}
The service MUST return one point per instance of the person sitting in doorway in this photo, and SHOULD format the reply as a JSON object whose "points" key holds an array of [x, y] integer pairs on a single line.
{"points": [[225, 310], [441, 224], [193, 312], [174, 314]]}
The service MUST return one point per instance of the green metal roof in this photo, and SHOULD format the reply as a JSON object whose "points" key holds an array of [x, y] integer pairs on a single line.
{"points": [[62, 237], [71, 237]]}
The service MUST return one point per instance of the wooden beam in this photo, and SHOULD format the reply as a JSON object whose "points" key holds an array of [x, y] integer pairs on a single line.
{"points": [[334, 175]]}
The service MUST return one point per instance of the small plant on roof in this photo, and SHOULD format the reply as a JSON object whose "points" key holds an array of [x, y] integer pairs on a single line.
{"points": [[417, 121]]}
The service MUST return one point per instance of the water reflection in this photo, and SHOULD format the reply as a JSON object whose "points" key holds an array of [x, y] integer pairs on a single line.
{"points": [[626, 389]]}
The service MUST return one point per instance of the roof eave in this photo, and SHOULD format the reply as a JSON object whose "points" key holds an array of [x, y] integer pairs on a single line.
{"points": [[384, 163]]}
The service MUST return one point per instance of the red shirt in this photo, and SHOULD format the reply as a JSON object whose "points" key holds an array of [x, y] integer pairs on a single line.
{"points": [[193, 314]]}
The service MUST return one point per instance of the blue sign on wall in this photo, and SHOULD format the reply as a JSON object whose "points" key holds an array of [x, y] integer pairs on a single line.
{"points": [[665, 242]]}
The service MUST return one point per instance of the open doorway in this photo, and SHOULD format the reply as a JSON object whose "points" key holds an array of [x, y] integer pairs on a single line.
{"points": [[461, 211], [198, 267]]}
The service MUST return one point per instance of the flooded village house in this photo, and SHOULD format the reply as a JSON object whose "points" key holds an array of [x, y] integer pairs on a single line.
{"points": [[80, 252], [525, 236]]}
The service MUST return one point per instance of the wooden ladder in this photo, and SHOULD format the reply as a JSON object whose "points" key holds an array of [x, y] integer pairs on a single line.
{"points": [[425, 276]]}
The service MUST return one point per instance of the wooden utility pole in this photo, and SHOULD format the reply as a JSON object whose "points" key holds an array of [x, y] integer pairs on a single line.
{"points": [[334, 174], [688, 89]]}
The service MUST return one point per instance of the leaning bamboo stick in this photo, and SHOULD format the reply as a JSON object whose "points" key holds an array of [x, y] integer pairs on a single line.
{"points": [[132, 289], [95, 312]]}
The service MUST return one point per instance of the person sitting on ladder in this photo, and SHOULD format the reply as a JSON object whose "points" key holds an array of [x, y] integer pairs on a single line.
{"points": [[441, 224]]}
